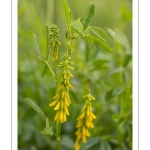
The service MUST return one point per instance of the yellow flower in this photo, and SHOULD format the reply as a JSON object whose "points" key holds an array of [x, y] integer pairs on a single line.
{"points": [[84, 122], [62, 98], [77, 146]]}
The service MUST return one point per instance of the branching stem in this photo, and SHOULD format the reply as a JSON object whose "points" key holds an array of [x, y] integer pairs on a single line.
{"points": [[46, 62]]}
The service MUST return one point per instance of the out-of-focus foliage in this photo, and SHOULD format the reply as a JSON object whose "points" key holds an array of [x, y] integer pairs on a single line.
{"points": [[108, 75]]}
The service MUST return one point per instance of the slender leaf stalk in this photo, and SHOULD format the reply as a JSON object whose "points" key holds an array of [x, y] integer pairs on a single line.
{"points": [[46, 62]]}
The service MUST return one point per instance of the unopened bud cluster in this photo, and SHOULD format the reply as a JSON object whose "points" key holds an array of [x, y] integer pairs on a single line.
{"points": [[53, 42]]}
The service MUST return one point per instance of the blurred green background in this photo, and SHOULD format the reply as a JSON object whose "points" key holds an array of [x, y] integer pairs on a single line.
{"points": [[108, 75]]}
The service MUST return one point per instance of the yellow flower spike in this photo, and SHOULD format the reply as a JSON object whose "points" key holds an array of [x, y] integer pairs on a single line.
{"points": [[84, 122], [62, 98], [57, 106]]}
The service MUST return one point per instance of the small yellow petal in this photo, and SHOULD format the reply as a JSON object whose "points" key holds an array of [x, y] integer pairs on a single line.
{"points": [[66, 110], [92, 115], [87, 123], [57, 106], [83, 139], [63, 94], [57, 115], [87, 133], [91, 125], [79, 137], [80, 123], [93, 98], [78, 132], [77, 146], [81, 116], [64, 117], [61, 115], [53, 103]]}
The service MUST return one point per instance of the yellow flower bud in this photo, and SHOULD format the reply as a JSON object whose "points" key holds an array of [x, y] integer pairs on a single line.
{"points": [[57, 106]]}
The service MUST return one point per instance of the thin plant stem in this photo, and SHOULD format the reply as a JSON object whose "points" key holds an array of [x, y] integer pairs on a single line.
{"points": [[55, 70], [58, 129], [46, 62]]}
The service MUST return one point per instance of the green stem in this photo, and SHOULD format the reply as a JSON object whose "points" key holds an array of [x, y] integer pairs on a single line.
{"points": [[46, 62], [58, 129], [55, 70]]}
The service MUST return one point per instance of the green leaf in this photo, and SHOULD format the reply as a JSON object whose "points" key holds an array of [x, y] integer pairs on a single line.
{"points": [[112, 72], [91, 142], [101, 43], [123, 127], [88, 16], [104, 145], [77, 27], [114, 92], [36, 108], [67, 12], [48, 129], [120, 37], [88, 38], [127, 58], [36, 43], [115, 117], [100, 33], [98, 63]]}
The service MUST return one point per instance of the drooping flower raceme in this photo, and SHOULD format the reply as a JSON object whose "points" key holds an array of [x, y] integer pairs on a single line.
{"points": [[84, 122], [53, 42], [62, 98]]}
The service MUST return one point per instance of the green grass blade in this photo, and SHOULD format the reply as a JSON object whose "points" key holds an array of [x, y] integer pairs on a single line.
{"points": [[36, 108], [36, 43], [88, 16], [67, 12]]}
